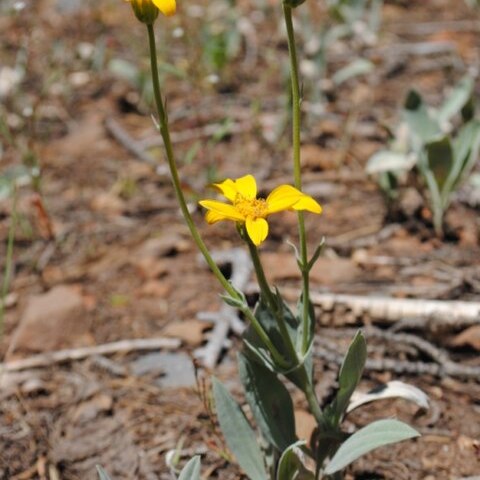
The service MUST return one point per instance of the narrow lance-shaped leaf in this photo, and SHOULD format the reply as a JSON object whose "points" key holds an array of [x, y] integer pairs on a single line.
{"points": [[422, 127], [459, 97], [102, 474], [191, 471], [377, 434], [238, 434], [269, 401], [465, 147], [349, 376], [290, 467]]}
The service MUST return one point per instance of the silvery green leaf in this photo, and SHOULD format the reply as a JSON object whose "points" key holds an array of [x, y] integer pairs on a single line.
{"points": [[393, 389], [389, 161], [125, 70], [457, 99], [316, 254], [291, 467], [102, 474], [269, 322], [421, 124], [466, 146], [377, 434], [255, 350], [269, 402], [359, 66], [191, 471], [349, 377], [233, 302], [238, 434]]}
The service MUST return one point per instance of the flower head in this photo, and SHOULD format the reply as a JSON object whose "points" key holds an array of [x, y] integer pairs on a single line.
{"points": [[147, 10], [245, 208]]}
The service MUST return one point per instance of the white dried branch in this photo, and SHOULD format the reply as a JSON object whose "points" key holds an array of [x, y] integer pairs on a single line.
{"points": [[226, 318], [61, 356], [447, 313]]}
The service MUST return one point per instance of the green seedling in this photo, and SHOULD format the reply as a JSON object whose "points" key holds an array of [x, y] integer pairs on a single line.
{"points": [[439, 145]]}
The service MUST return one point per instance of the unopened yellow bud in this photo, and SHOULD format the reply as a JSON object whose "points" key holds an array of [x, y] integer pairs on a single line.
{"points": [[145, 11]]}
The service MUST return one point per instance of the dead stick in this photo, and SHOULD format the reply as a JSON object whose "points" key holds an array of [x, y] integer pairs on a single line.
{"points": [[61, 356], [449, 313], [227, 318]]}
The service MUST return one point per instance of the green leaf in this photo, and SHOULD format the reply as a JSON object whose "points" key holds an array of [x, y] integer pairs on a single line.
{"points": [[349, 376], [457, 100], [238, 434], [268, 321], [440, 159], [269, 402], [357, 67], [466, 147], [421, 125], [290, 467], [102, 474], [191, 471], [310, 326], [316, 254], [255, 350], [377, 434]]}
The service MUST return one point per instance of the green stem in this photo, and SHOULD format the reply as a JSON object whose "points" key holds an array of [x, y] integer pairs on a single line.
{"points": [[165, 132], [313, 402], [271, 301], [8, 259], [296, 101]]}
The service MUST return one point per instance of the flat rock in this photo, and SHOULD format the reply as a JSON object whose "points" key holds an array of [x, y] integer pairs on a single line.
{"points": [[52, 321], [171, 369]]}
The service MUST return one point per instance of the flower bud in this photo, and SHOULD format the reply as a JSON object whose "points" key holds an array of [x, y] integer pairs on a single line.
{"points": [[145, 11]]}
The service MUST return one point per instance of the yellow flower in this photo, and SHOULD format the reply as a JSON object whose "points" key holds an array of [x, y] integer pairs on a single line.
{"points": [[147, 10], [246, 208]]}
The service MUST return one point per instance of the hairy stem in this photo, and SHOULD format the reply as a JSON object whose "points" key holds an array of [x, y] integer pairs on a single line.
{"points": [[296, 102], [165, 132]]}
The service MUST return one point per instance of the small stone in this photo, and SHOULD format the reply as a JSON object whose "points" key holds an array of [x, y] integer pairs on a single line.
{"points": [[52, 321], [189, 331], [176, 368]]}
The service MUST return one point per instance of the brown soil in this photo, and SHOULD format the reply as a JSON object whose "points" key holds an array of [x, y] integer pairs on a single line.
{"points": [[105, 205]]}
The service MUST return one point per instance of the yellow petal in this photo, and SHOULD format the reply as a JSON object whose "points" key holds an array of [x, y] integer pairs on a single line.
{"points": [[309, 204], [213, 217], [283, 197], [228, 189], [167, 7], [222, 211], [257, 230], [247, 187]]}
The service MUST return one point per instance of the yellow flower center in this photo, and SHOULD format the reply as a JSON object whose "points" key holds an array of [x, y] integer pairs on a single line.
{"points": [[251, 208]]}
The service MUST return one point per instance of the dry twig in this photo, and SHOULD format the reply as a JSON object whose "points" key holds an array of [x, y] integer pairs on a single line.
{"points": [[61, 356], [442, 367], [437, 312], [226, 318]]}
